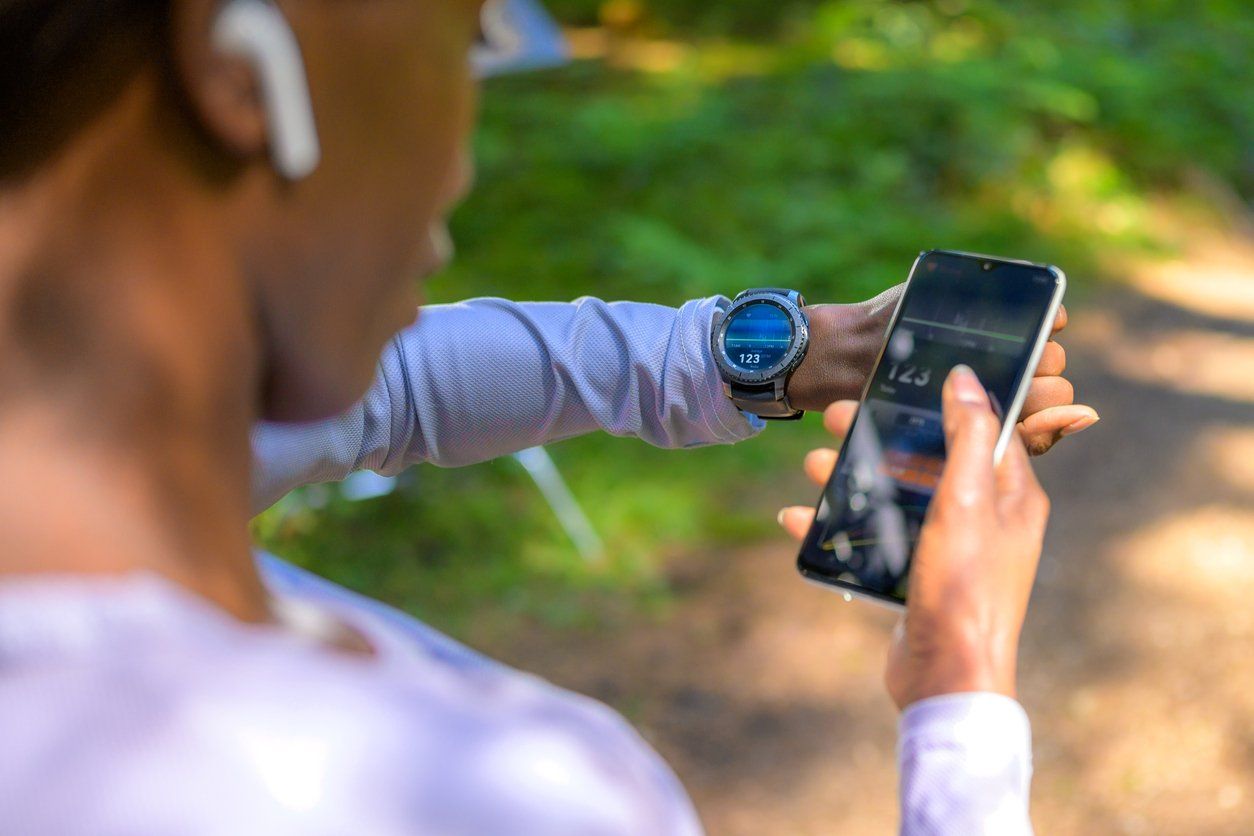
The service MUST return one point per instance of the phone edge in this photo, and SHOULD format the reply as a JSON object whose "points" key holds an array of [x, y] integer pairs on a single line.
{"points": [[841, 589], [1042, 339]]}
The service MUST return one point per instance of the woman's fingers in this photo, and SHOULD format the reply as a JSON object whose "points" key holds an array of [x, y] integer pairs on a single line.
{"points": [[971, 431], [1053, 361], [1014, 475], [1045, 392], [819, 465], [838, 417], [796, 520], [1019, 494], [1042, 430], [1060, 321]]}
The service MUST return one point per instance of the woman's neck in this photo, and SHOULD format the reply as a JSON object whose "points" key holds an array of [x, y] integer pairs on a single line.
{"points": [[128, 382]]}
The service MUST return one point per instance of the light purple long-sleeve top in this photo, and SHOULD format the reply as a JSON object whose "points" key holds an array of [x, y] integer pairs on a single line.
{"points": [[128, 706]]}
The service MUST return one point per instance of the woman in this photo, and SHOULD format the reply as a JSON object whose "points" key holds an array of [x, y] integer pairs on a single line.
{"points": [[172, 258]]}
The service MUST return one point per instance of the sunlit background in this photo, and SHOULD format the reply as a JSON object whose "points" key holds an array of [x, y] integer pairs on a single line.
{"points": [[694, 148]]}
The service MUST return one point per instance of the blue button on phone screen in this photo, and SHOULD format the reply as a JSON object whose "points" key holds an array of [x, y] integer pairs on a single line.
{"points": [[757, 337]]}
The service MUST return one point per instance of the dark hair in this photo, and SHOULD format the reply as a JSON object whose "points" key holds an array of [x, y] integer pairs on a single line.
{"points": [[61, 62]]}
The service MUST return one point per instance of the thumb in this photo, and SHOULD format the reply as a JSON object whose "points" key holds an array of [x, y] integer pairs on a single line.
{"points": [[971, 431]]}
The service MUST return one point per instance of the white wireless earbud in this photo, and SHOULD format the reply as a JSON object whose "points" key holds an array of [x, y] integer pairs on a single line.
{"points": [[256, 31]]}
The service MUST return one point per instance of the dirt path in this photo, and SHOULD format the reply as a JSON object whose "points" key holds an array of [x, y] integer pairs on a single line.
{"points": [[1137, 668]]}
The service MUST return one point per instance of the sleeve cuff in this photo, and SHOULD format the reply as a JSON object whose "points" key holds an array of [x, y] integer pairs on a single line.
{"points": [[991, 731], [727, 422]]}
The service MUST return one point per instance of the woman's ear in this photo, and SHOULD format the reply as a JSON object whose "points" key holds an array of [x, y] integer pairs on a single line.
{"points": [[242, 69]]}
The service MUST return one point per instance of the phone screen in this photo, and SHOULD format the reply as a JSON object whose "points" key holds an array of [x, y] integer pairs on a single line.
{"points": [[986, 313]]}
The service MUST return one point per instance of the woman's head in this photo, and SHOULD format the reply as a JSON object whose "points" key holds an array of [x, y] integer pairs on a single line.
{"points": [[325, 264]]}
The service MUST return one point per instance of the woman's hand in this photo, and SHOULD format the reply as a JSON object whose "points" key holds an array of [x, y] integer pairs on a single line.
{"points": [[976, 558], [846, 339]]}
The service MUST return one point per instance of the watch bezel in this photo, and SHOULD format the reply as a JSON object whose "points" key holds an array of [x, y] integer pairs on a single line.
{"points": [[786, 364]]}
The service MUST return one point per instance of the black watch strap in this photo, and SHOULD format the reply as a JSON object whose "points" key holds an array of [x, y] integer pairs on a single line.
{"points": [[768, 401]]}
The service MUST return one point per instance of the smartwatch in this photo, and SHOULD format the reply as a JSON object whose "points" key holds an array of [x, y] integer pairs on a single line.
{"points": [[757, 345]]}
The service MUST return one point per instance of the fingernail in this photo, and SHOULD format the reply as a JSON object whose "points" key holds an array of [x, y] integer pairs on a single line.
{"points": [[1081, 425], [967, 386], [779, 518]]}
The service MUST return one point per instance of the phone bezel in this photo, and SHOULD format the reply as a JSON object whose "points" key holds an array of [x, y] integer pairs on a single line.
{"points": [[1010, 420]]}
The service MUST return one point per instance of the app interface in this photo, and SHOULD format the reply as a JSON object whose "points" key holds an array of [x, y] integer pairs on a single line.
{"points": [[758, 336], [955, 312]]}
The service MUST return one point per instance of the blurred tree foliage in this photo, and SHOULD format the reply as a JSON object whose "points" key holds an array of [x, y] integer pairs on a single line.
{"points": [[812, 144], [863, 131], [1163, 80]]}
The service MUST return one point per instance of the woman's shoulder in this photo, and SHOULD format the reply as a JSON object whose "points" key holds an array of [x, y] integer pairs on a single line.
{"points": [[165, 711]]}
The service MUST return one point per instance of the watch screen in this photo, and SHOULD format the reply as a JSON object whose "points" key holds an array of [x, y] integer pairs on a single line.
{"points": [[757, 336]]}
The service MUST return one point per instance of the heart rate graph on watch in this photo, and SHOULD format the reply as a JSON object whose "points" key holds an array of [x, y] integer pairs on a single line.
{"points": [[758, 336], [989, 314]]}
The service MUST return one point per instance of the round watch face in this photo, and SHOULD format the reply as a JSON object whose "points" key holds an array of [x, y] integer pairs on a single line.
{"points": [[757, 336]]}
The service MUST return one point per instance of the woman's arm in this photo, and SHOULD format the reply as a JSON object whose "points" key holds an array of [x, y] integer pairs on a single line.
{"points": [[484, 378], [476, 380]]}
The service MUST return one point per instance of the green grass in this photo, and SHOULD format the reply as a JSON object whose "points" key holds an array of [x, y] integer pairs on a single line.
{"points": [[822, 156]]}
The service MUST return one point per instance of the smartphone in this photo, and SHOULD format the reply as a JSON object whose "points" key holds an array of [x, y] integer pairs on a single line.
{"points": [[993, 314]]}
